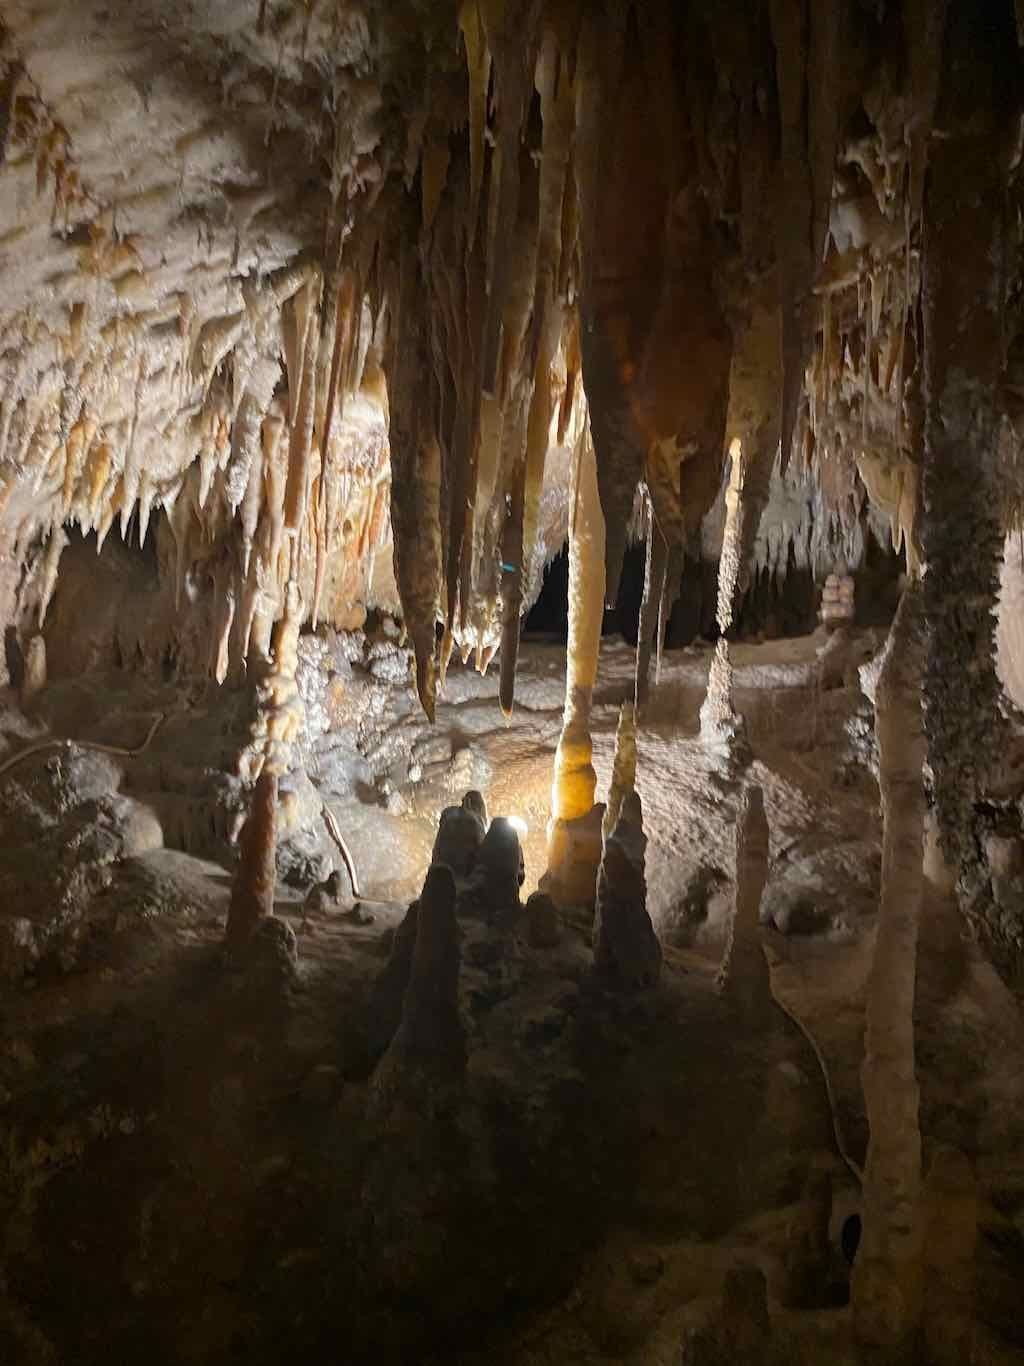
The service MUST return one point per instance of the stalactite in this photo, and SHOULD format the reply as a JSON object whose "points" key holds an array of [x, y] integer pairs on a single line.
{"points": [[808, 47], [302, 389], [51, 564], [416, 478], [574, 837], [478, 62], [650, 608], [718, 721], [512, 38], [886, 1287], [516, 380], [340, 359]]}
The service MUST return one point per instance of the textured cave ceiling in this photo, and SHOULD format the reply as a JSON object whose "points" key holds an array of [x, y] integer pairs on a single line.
{"points": [[292, 281]]}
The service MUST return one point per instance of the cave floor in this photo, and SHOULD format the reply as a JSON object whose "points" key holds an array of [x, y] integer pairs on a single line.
{"points": [[193, 1165]]}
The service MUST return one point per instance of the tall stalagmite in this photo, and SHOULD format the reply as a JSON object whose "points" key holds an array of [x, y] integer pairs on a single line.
{"points": [[887, 1274], [574, 832], [743, 977], [252, 892]]}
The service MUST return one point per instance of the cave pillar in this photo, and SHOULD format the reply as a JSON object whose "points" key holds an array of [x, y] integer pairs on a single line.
{"points": [[574, 830], [719, 723], [279, 713], [886, 1288], [964, 255]]}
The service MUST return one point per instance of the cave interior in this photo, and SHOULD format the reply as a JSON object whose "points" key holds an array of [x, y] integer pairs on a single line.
{"points": [[512, 698]]}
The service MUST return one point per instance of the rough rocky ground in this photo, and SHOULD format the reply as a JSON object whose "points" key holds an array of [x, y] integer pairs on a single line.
{"points": [[195, 1165]]}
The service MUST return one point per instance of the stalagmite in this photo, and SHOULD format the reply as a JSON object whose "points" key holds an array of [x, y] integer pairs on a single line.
{"points": [[574, 831], [627, 953], [623, 768], [719, 723], [887, 1275], [743, 977], [431, 1040], [498, 870], [459, 835], [34, 679], [252, 892], [384, 1011]]}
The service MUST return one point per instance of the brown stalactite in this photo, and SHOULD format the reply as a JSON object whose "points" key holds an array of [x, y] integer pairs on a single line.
{"points": [[416, 478], [808, 43], [651, 607]]}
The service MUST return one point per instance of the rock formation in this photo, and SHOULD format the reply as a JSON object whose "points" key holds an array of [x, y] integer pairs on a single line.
{"points": [[252, 893], [887, 1275], [326, 328], [498, 868], [574, 832], [743, 977], [387, 996], [460, 833], [430, 1039], [627, 953], [623, 768], [719, 723]]}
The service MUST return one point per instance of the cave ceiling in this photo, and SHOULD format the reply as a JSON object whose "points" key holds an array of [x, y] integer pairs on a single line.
{"points": [[328, 294]]}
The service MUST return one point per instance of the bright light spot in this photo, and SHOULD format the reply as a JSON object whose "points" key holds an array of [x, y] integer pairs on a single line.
{"points": [[519, 825]]}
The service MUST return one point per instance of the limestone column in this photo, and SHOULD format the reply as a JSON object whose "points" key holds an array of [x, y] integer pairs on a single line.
{"points": [[278, 719], [743, 976], [719, 724], [574, 831], [964, 254], [886, 1288]]}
